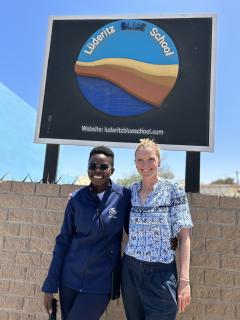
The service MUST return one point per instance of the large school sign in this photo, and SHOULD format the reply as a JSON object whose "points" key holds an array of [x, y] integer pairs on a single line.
{"points": [[115, 80]]}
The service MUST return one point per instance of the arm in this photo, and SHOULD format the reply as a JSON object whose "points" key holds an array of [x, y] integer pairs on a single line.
{"points": [[63, 241], [184, 293], [181, 223]]}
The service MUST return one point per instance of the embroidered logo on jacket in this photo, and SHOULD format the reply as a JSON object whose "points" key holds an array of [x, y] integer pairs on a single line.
{"points": [[112, 213]]}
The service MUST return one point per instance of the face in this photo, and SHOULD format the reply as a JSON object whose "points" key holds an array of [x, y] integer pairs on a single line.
{"points": [[99, 171], [147, 162]]}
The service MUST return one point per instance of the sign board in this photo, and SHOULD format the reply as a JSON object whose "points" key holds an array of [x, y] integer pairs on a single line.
{"points": [[114, 80]]}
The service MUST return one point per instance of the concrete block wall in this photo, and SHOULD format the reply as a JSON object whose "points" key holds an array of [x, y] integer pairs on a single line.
{"points": [[30, 218]]}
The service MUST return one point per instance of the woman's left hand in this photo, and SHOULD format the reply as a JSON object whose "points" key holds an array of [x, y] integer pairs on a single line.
{"points": [[184, 295]]}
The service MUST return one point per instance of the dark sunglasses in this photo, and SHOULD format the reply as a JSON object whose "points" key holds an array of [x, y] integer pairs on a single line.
{"points": [[102, 166]]}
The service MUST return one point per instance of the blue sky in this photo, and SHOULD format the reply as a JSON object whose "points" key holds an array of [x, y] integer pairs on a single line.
{"points": [[23, 32]]}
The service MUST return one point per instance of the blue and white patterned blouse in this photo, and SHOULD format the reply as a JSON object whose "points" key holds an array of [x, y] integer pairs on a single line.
{"points": [[153, 224]]}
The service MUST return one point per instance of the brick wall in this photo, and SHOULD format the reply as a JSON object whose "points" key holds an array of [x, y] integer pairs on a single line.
{"points": [[30, 218]]}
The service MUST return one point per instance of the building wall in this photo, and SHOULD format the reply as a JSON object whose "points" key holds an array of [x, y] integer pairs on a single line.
{"points": [[230, 190], [30, 218]]}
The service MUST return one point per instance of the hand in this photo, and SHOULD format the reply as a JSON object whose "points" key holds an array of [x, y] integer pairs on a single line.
{"points": [[174, 243], [69, 196], [47, 302], [184, 295]]}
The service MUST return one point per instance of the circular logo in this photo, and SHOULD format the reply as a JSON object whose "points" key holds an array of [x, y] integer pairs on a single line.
{"points": [[127, 67]]}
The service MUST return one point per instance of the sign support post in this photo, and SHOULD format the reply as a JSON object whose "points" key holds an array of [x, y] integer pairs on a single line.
{"points": [[51, 163], [192, 174]]}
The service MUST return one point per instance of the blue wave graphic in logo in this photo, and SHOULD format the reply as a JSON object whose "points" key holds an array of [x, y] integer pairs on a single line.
{"points": [[111, 99]]}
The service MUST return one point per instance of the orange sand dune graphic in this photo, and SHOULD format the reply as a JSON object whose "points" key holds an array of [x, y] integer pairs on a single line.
{"points": [[148, 82]]}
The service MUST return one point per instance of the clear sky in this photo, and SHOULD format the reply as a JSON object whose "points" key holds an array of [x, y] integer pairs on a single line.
{"points": [[23, 32]]}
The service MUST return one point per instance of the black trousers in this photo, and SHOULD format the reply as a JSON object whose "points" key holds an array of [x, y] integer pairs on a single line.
{"points": [[81, 306], [149, 289]]}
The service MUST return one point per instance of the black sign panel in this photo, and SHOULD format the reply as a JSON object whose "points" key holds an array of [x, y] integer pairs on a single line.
{"points": [[114, 81]]}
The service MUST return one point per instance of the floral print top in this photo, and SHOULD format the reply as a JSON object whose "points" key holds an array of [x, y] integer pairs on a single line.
{"points": [[153, 223]]}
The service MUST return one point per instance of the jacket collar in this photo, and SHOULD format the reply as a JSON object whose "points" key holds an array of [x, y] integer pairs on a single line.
{"points": [[111, 186]]}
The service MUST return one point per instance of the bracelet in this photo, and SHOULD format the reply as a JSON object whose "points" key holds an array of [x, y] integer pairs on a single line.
{"points": [[184, 279]]}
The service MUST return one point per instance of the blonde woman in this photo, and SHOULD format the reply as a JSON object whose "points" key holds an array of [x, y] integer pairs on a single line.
{"points": [[159, 212]]}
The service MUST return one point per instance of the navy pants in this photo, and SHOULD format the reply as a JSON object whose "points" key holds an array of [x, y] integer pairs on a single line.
{"points": [[149, 289], [81, 306]]}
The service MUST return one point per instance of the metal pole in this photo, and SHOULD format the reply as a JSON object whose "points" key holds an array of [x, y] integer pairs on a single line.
{"points": [[51, 163], [192, 174], [237, 181]]}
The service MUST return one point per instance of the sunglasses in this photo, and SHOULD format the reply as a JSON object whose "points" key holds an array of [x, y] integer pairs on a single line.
{"points": [[102, 166]]}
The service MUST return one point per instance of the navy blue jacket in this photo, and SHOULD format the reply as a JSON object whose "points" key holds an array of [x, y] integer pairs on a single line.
{"points": [[89, 244]]}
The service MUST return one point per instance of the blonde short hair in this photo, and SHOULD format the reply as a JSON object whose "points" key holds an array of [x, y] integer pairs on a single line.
{"points": [[148, 143]]}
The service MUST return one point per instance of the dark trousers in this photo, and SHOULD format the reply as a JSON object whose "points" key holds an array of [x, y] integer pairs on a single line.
{"points": [[81, 306], [149, 289]]}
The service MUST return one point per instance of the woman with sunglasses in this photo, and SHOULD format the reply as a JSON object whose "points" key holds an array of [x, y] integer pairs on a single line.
{"points": [[159, 212], [88, 248]]}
